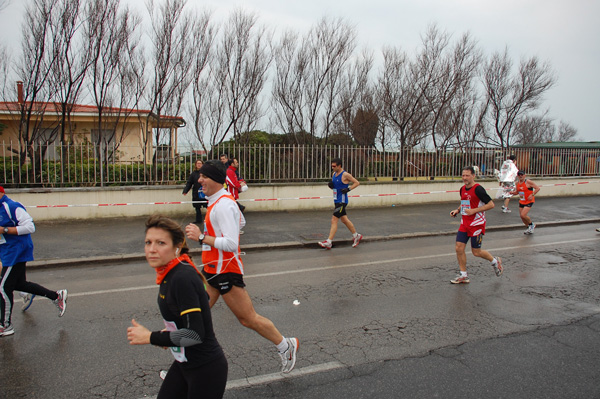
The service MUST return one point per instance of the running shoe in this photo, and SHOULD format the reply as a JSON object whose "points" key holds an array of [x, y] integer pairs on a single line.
{"points": [[288, 358], [61, 302], [598, 229], [527, 231], [505, 210], [325, 244], [531, 228], [357, 240], [27, 301], [8, 330], [162, 374], [461, 280], [498, 269]]}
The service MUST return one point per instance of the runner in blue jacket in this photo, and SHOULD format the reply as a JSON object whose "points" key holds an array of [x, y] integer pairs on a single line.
{"points": [[16, 249]]}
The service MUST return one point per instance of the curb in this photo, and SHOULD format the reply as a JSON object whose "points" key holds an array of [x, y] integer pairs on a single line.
{"points": [[111, 259]]}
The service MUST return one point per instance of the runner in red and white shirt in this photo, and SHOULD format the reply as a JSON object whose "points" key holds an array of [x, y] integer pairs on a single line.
{"points": [[234, 183], [223, 267], [474, 201]]}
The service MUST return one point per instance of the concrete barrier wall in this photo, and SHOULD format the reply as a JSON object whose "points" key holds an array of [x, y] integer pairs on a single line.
{"points": [[271, 197]]}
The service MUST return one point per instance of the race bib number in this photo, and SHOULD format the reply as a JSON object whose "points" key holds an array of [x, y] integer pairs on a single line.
{"points": [[177, 352], [521, 195], [464, 205], [334, 193]]}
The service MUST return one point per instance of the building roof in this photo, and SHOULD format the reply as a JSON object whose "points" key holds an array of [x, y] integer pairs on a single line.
{"points": [[52, 108]]}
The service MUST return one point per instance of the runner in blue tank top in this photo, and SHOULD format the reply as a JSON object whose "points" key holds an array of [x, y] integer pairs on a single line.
{"points": [[340, 184]]}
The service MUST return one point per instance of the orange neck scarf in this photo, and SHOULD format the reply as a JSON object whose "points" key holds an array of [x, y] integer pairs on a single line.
{"points": [[162, 271]]}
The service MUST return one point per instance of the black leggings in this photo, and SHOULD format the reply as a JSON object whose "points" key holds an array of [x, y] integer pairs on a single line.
{"points": [[207, 381], [14, 278]]}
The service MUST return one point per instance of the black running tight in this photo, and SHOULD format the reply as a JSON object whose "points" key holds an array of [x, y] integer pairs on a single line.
{"points": [[207, 381], [14, 278]]}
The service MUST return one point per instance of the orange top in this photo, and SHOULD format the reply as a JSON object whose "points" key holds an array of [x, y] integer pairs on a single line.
{"points": [[216, 260], [524, 193]]}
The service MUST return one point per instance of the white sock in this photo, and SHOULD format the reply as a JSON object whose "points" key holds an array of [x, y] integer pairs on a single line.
{"points": [[463, 274], [283, 345], [355, 234], [494, 262]]}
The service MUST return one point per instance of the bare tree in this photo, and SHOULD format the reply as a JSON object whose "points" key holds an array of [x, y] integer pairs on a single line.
{"points": [[204, 36], [238, 75], [68, 46], [171, 60], [400, 89], [566, 132], [109, 30], [133, 84], [365, 126], [313, 78], [466, 120], [5, 73], [511, 95], [532, 129], [453, 70], [33, 69], [355, 93], [287, 94], [343, 81]]}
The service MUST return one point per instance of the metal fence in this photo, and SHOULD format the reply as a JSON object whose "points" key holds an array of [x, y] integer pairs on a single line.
{"points": [[55, 165]]}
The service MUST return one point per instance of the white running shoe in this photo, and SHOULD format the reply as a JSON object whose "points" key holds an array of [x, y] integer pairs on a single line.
{"points": [[288, 358], [460, 280], [8, 330], [27, 301], [531, 228], [506, 210], [498, 269], [61, 302], [357, 240], [325, 244]]}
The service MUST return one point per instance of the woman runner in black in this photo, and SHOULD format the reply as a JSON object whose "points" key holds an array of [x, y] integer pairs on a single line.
{"points": [[200, 367]]}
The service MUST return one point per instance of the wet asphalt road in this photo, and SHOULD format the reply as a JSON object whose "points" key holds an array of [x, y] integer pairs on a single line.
{"points": [[377, 321], [84, 242]]}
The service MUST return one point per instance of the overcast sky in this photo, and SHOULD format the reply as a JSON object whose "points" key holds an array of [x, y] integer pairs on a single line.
{"points": [[565, 33]]}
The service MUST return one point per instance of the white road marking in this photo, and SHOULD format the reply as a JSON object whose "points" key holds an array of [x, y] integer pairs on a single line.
{"points": [[345, 266], [267, 378], [102, 292]]}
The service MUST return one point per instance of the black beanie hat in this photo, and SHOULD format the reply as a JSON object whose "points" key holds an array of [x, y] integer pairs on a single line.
{"points": [[215, 170]]}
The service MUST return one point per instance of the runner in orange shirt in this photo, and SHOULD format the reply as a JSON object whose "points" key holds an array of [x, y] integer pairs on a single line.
{"points": [[526, 189], [223, 267]]}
